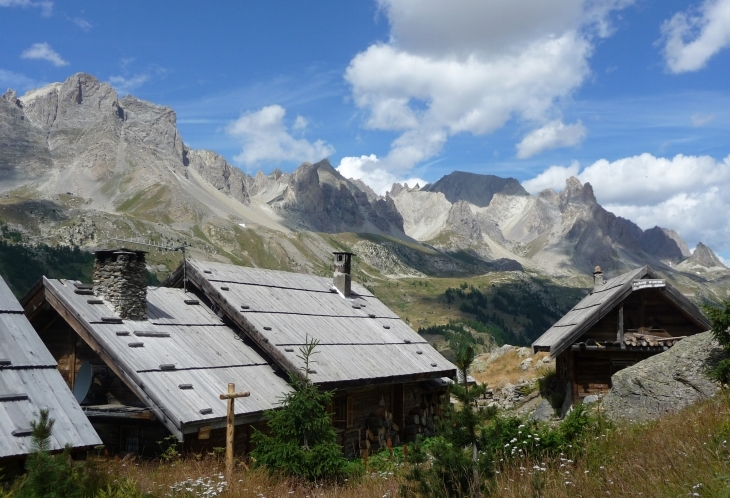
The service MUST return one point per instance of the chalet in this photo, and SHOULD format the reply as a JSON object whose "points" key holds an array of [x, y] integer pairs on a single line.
{"points": [[385, 376], [149, 362], [29, 382], [621, 322], [159, 357]]}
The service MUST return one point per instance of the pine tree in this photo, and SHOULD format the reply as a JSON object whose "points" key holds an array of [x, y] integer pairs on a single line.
{"points": [[49, 476], [720, 319], [459, 462], [303, 442]]}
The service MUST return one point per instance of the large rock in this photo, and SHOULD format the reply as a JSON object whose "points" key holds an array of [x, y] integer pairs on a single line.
{"points": [[666, 382]]}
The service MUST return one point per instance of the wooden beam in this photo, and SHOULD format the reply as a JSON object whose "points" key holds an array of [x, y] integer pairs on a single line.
{"points": [[620, 337]]}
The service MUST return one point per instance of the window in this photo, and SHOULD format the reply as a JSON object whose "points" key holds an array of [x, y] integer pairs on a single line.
{"points": [[341, 412], [130, 439]]}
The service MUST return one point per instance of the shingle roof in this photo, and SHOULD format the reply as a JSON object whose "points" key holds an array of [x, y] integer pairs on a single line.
{"points": [[361, 341], [191, 338], [598, 303], [30, 381]]}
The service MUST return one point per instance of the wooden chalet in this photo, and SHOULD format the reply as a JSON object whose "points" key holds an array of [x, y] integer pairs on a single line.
{"points": [[387, 379], [621, 322], [153, 361], [29, 382]]}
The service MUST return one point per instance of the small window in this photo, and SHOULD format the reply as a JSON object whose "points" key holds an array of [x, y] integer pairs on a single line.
{"points": [[341, 412], [130, 439]]}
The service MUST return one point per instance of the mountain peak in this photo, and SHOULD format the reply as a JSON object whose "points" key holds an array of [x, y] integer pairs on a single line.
{"points": [[703, 256], [474, 188], [577, 193]]}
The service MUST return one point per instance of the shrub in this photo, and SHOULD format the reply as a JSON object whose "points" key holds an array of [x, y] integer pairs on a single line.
{"points": [[457, 462], [720, 318], [303, 442]]}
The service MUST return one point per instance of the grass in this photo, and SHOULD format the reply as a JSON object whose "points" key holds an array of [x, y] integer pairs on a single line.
{"points": [[683, 454], [506, 369], [201, 475]]}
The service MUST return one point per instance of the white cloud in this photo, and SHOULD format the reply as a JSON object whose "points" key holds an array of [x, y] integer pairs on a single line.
{"points": [[265, 138], [82, 23], [691, 38], [686, 193], [551, 135], [43, 51], [18, 82], [46, 7], [453, 67], [700, 120], [124, 85], [554, 178], [300, 123], [370, 170]]}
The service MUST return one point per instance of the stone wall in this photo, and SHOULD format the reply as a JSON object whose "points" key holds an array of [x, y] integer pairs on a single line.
{"points": [[120, 277]]}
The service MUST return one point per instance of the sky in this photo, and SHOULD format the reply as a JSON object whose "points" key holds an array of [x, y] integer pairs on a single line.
{"points": [[632, 96]]}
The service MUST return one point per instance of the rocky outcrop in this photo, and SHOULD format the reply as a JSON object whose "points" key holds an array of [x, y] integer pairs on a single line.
{"points": [[215, 170], [702, 259], [666, 382], [665, 244], [474, 188], [319, 198]]}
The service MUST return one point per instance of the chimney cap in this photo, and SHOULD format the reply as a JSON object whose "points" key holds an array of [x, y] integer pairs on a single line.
{"points": [[597, 270]]}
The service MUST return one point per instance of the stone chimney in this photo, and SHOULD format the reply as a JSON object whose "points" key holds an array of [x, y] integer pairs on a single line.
{"points": [[597, 278], [120, 277], [342, 279]]}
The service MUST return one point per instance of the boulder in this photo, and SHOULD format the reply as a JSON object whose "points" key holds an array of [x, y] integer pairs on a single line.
{"points": [[526, 364], [666, 382], [544, 412], [590, 399]]}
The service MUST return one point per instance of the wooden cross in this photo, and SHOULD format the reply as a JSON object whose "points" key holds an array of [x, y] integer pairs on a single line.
{"points": [[231, 396]]}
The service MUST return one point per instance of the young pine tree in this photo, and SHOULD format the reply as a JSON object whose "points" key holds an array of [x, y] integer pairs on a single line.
{"points": [[303, 442], [720, 318], [459, 463], [49, 476]]}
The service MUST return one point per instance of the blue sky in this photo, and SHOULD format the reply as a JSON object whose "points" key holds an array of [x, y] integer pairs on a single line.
{"points": [[631, 95]]}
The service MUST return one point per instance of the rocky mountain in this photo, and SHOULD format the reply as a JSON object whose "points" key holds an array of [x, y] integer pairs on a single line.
{"points": [[77, 161], [553, 233], [474, 188], [703, 261]]}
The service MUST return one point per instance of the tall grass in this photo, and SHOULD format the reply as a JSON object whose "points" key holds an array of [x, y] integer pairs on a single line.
{"points": [[683, 454]]}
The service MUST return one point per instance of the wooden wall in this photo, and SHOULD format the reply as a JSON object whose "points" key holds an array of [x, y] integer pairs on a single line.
{"points": [[648, 309]]}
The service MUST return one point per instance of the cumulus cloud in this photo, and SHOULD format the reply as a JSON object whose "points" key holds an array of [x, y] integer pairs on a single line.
{"points": [[552, 178], [373, 172], [551, 135], [46, 7], [265, 138], [43, 51], [691, 38], [469, 67], [686, 193]]}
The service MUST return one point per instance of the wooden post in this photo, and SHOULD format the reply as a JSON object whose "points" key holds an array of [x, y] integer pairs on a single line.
{"points": [[230, 423], [621, 326]]}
